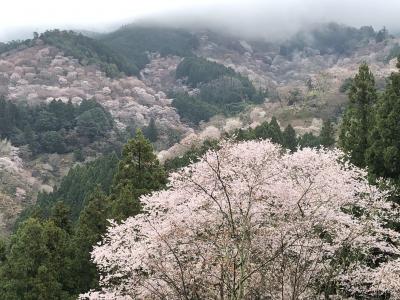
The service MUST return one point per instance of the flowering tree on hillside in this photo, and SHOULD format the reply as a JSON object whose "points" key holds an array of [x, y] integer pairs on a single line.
{"points": [[252, 221]]}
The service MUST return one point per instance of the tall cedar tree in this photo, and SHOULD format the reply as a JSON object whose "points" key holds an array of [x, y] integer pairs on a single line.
{"points": [[270, 131], [289, 138], [36, 263], [139, 173], [383, 156], [92, 224], [151, 131], [275, 131], [327, 135], [358, 116]]}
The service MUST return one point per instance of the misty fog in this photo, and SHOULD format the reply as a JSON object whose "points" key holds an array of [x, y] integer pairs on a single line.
{"points": [[250, 18]]}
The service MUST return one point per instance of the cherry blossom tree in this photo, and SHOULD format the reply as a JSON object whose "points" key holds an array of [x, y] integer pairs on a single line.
{"points": [[252, 221]]}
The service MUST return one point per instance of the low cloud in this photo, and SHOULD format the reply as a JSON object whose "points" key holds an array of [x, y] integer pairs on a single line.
{"points": [[250, 18], [278, 19]]}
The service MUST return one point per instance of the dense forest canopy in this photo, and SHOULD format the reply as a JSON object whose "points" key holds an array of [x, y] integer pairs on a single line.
{"points": [[220, 90], [75, 188], [264, 212], [123, 51], [135, 42], [288, 139], [56, 127], [16, 44], [89, 51], [369, 132], [197, 70], [55, 236]]}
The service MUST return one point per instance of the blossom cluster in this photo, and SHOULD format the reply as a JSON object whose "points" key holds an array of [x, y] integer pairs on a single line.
{"points": [[252, 220]]}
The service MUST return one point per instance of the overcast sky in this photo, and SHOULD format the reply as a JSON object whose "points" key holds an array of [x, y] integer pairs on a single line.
{"points": [[18, 18]]}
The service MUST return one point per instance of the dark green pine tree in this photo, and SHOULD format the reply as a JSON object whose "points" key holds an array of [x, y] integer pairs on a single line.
{"points": [[289, 138], [61, 216], [358, 118], [327, 135], [139, 173], [275, 131], [383, 156], [270, 131], [309, 140], [35, 266], [91, 225], [262, 131], [151, 132]]}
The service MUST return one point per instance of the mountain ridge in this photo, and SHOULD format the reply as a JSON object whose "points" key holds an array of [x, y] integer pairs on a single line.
{"points": [[303, 88]]}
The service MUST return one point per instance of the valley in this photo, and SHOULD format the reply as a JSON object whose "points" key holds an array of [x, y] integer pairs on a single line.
{"points": [[302, 89]]}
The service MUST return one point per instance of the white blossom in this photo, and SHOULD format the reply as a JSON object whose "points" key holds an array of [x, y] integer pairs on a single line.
{"points": [[253, 221]]}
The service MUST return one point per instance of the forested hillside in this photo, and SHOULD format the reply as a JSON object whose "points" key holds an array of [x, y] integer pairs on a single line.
{"points": [[135, 42], [160, 163], [287, 138], [193, 86], [56, 235], [313, 186], [369, 131], [56, 127], [220, 90], [90, 51], [125, 50]]}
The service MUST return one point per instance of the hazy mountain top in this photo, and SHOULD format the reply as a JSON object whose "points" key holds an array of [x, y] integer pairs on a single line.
{"points": [[247, 18]]}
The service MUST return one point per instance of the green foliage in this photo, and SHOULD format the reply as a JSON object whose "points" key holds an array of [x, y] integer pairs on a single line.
{"points": [[133, 43], [346, 85], [49, 255], [327, 135], [358, 117], [93, 123], [90, 51], [52, 142], [16, 44], [287, 139], [227, 92], [151, 131], [196, 70], [370, 131], [383, 156], [217, 83], [309, 140], [270, 131], [139, 173], [91, 225], [75, 187], [381, 35], [53, 128], [222, 90], [78, 155], [192, 109], [36, 263], [61, 216]]}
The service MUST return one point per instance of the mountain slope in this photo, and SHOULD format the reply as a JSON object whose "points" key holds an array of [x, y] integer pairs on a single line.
{"points": [[134, 42], [304, 86]]}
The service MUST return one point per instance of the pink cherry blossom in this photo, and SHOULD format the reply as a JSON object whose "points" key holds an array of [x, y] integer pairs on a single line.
{"points": [[252, 221]]}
